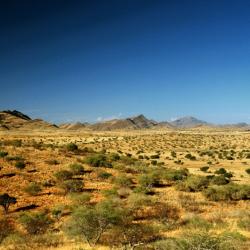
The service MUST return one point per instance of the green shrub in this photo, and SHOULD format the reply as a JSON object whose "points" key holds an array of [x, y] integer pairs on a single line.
{"points": [[228, 192], [20, 164], [35, 223], [33, 188], [63, 175], [114, 157], [193, 183], [71, 147], [3, 154], [98, 160], [190, 157], [77, 169], [204, 169], [220, 171]]}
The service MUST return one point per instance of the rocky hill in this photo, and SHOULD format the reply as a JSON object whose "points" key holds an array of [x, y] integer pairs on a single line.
{"points": [[15, 120], [137, 122]]}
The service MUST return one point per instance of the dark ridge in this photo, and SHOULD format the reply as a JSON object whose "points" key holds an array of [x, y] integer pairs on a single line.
{"points": [[17, 114]]}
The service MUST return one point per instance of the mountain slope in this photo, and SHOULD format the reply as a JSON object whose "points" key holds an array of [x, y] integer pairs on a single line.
{"points": [[74, 126], [137, 122], [15, 120]]}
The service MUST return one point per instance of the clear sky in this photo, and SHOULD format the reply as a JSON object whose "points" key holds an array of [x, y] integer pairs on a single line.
{"points": [[90, 60]]}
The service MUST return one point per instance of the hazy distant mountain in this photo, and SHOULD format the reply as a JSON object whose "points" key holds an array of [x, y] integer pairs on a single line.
{"points": [[187, 122], [15, 120], [137, 122], [74, 126]]}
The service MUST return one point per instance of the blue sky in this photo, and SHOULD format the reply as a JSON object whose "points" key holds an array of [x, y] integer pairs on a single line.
{"points": [[93, 60]]}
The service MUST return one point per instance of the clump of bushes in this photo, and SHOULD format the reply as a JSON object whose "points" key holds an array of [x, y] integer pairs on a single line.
{"points": [[229, 192], [35, 223], [190, 157]]}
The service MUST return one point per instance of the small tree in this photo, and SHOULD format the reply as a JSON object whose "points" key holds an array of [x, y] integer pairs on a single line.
{"points": [[6, 201], [91, 222]]}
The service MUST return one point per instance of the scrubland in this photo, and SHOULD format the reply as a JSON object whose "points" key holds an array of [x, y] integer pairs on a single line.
{"points": [[125, 190]]}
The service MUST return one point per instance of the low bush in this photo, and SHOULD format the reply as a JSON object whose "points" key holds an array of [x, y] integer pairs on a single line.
{"points": [[175, 175], [20, 164], [122, 181], [63, 175], [103, 175], [33, 188], [220, 171], [98, 160], [72, 186], [193, 183], [3, 154], [71, 147], [204, 169], [76, 169], [219, 180]]}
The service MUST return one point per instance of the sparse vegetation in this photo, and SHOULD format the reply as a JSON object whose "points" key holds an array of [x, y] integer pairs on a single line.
{"points": [[127, 193]]}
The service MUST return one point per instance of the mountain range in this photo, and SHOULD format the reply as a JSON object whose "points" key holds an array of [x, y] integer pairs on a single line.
{"points": [[16, 120]]}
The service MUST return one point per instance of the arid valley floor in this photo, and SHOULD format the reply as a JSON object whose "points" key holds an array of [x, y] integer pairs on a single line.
{"points": [[164, 189]]}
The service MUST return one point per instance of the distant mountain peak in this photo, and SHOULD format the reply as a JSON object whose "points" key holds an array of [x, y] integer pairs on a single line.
{"points": [[187, 122]]}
